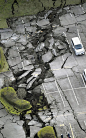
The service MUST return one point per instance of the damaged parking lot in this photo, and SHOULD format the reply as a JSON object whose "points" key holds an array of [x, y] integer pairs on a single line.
{"points": [[40, 57]]}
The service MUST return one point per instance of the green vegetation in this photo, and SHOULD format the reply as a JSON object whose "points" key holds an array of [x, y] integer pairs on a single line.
{"points": [[46, 132], [28, 8], [3, 64], [41, 104], [12, 103]]}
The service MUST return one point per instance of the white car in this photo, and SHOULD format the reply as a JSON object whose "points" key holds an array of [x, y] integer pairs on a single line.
{"points": [[77, 46], [84, 74]]}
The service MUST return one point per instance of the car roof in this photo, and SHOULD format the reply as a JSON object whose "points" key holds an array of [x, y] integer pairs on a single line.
{"points": [[76, 40]]}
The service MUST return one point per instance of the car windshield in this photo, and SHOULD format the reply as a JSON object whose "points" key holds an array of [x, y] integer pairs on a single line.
{"points": [[79, 46]]}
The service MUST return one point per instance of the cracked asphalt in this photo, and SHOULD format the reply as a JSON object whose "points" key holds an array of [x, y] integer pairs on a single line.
{"points": [[41, 58]]}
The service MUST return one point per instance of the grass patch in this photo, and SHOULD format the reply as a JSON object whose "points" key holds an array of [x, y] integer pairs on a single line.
{"points": [[46, 132], [3, 64], [30, 7], [73, 2], [12, 103]]}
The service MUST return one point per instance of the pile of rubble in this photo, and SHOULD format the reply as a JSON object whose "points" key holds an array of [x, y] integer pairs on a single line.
{"points": [[31, 44]]}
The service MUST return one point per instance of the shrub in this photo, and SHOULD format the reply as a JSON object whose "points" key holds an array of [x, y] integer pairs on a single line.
{"points": [[46, 132], [12, 103]]}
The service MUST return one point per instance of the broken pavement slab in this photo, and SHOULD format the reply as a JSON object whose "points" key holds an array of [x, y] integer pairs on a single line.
{"points": [[13, 129], [69, 19], [42, 22], [47, 57]]}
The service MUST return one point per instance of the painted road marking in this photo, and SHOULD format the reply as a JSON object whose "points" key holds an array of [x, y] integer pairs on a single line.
{"points": [[78, 113], [67, 90], [60, 93], [71, 130], [73, 90], [51, 92], [82, 79], [48, 97]]}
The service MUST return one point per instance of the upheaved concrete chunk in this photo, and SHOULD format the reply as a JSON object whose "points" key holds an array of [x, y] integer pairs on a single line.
{"points": [[8, 43], [24, 74], [47, 57], [6, 35], [30, 83], [14, 61], [43, 22], [22, 40], [13, 53], [20, 29], [36, 72]]}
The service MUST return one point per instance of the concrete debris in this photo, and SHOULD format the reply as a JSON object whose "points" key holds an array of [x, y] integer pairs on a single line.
{"points": [[24, 74], [47, 57]]}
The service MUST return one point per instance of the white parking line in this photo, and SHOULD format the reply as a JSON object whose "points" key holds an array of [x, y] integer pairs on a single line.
{"points": [[71, 86], [60, 93], [82, 79], [48, 97], [73, 90], [51, 92], [65, 90]]}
